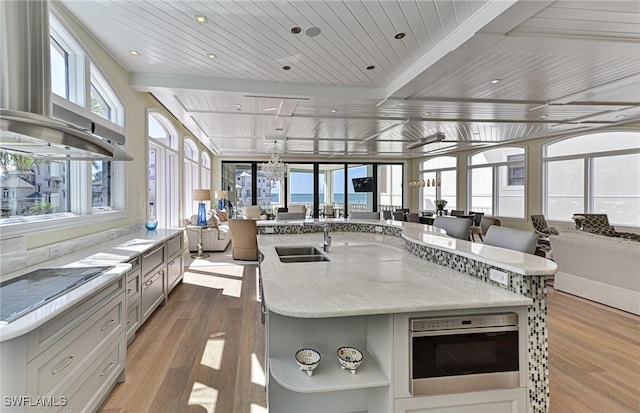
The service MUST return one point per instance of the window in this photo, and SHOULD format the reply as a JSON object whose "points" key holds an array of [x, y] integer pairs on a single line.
{"points": [[440, 171], [497, 182], [515, 170], [595, 173], [389, 187], [36, 189], [190, 176], [163, 169], [205, 171]]}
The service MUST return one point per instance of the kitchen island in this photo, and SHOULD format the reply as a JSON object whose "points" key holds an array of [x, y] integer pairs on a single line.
{"points": [[364, 297]]}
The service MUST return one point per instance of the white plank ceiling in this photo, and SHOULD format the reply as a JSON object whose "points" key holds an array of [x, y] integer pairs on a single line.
{"points": [[556, 66]]}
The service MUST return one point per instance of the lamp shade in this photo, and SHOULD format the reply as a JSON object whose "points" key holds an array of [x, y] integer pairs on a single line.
{"points": [[221, 194], [201, 195]]}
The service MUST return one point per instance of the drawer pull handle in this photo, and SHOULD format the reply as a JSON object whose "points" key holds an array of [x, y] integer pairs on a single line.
{"points": [[128, 323], [129, 291], [105, 372], [58, 370], [107, 324]]}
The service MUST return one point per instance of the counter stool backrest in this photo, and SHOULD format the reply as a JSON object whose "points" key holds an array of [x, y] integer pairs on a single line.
{"points": [[512, 239], [413, 217], [455, 227], [486, 222]]}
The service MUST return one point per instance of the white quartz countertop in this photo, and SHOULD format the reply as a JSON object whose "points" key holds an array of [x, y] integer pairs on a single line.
{"points": [[112, 253], [368, 274], [518, 262]]}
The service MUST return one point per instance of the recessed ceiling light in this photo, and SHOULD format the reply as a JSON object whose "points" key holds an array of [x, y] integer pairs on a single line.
{"points": [[334, 110], [134, 52], [399, 36], [201, 19], [371, 67], [544, 116], [494, 81], [427, 113], [296, 30], [312, 31], [286, 67], [211, 56]]}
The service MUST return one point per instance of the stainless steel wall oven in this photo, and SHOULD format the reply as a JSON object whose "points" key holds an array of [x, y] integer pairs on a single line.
{"points": [[463, 354]]}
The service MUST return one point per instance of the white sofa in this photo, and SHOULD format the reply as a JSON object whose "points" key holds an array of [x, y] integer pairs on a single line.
{"points": [[213, 238], [599, 268]]}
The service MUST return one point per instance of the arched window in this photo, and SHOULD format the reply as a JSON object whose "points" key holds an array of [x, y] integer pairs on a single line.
{"points": [[163, 169], [438, 180], [497, 182], [594, 173], [205, 171], [191, 181]]}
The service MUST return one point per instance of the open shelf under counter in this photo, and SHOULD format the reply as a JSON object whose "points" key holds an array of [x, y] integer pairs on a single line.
{"points": [[328, 376]]}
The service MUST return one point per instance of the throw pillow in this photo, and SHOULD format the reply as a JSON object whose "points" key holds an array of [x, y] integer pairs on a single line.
{"points": [[213, 221], [223, 215]]}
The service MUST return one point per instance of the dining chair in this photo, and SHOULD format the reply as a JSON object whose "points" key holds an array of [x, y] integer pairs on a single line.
{"points": [[413, 217], [398, 216], [512, 239], [387, 215], [244, 240], [486, 222], [455, 227], [475, 227], [455, 212]]}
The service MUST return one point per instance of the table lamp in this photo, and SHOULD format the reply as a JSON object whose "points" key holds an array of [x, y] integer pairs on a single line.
{"points": [[221, 196], [202, 195]]}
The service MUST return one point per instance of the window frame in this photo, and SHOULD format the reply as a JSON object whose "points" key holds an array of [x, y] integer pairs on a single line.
{"points": [[78, 80], [500, 182], [588, 169], [437, 171]]}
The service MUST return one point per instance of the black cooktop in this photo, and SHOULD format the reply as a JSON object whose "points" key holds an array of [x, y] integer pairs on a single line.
{"points": [[27, 292]]}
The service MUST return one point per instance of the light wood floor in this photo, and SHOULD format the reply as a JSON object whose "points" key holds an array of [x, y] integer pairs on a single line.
{"points": [[203, 352]]}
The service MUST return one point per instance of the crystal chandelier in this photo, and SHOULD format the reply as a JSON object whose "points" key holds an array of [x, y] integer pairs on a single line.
{"points": [[275, 169]]}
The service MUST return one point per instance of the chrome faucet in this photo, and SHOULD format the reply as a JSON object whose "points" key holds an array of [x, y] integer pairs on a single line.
{"points": [[327, 238]]}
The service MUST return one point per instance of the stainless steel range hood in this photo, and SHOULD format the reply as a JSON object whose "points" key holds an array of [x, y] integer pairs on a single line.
{"points": [[26, 125]]}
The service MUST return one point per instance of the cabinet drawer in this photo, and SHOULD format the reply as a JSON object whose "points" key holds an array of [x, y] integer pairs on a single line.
{"points": [[135, 263], [133, 287], [92, 385], [48, 371], [43, 337], [133, 320], [174, 245], [152, 293], [152, 260], [175, 271]]}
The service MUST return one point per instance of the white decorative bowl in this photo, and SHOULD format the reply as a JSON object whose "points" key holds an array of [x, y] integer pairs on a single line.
{"points": [[349, 358], [307, 359]]}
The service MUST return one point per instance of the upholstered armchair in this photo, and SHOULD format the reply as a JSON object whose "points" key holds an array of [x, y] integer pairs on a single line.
{"points": [[541, 227], [244, 239], [253, 212]]}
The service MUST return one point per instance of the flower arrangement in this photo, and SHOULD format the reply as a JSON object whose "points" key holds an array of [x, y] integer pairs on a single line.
{"points": [[440, 203]]}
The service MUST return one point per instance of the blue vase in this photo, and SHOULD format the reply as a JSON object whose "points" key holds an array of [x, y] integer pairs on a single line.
{"points": [[152, 222], [202, 215]]}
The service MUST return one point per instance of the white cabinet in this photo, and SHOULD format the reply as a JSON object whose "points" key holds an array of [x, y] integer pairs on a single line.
{"points": [[497, 401], [329, 388], [153, 288], [175, 269], [80, 354], [133, 293]]}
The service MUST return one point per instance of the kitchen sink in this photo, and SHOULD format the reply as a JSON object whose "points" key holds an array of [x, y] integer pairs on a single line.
{"points": [[300, 253], [298, 250], [303, 258]]}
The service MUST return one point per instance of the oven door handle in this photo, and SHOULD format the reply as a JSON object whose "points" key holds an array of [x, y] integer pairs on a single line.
{"points": [[463, 331]]}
